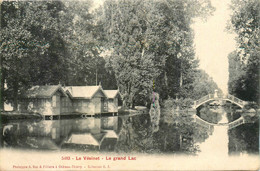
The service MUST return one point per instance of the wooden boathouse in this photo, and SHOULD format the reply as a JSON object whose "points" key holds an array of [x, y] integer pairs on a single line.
{"points": [[69, 109], [51, 100]]}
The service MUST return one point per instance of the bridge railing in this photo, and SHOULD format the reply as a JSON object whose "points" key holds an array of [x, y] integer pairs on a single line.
{"points": [[231, 125], [230, 97], [203, 123], [235, 99], [235, 123], [203, 99]]}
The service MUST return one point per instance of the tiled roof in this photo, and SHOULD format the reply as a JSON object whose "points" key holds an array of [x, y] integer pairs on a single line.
{"points": [[41, 143], [111, 93], [110, 134], [86, 138], [86, 92], [43, 91]]}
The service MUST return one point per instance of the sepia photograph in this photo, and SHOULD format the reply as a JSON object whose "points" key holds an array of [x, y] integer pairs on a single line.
{"points": [[129, 85]]}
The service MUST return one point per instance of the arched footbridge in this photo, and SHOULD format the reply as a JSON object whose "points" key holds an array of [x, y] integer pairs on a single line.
{"points": [[216, 97], [229, 125]]}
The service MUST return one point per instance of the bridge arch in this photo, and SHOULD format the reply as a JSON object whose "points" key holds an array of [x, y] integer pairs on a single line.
{"points": [[234, 100], [229, 125], [203, 100], [212, 97]]}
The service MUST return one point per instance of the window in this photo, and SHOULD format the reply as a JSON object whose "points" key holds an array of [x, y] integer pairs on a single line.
{"points": [[54, 101], [105, 105]]}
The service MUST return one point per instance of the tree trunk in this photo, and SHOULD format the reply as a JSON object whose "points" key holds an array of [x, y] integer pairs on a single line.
{"points": [[1, 136], [15, 95], [165, 79], [165, 142], [2, 83], [181, 80], [143, 52], [132, 103], [2, 89], [180, 139], [181, 76], [130, 96], [124, 102]]}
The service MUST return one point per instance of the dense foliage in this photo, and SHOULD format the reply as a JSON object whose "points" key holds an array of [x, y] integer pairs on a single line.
{"points": [[49, 42], [210, 115], [244, 71], [244, 62], [151, 42], [136, 46], [203, 85]]}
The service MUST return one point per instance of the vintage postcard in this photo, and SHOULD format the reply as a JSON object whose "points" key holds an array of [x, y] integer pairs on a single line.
{"points": [[129, 85]]}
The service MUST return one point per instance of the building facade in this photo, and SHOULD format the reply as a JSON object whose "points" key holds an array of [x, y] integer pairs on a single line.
{"points": [[45, 100], [87, 99], [57, 100], [112, 100], [69, 109]]}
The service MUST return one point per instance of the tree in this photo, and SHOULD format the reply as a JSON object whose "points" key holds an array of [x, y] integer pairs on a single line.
{"points": [[244, 69], [245, 23], [81, 46], [150, 41], [175, 44], [23, 25], [236, 72], [202, 85], [50, 42], [127, 33]]}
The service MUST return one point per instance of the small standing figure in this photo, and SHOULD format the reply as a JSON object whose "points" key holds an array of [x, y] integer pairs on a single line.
{"points": [[30, 107], [155, 112], [216, 94]]}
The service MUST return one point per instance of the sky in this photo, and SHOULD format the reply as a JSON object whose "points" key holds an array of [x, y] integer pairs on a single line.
{"points": [[213, 43]]}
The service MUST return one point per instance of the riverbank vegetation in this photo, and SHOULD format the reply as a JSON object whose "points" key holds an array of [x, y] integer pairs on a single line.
{"points": [[209, 115], [244, 62], [244, 71]]}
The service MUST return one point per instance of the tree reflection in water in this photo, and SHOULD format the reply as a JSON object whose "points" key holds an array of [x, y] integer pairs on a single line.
{"points": [[177, 134]]}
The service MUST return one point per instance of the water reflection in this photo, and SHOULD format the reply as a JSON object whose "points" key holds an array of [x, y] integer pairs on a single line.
{"points": [[132, 134], [242, 138], [54, 134], [114, 133], [217, 143]]}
